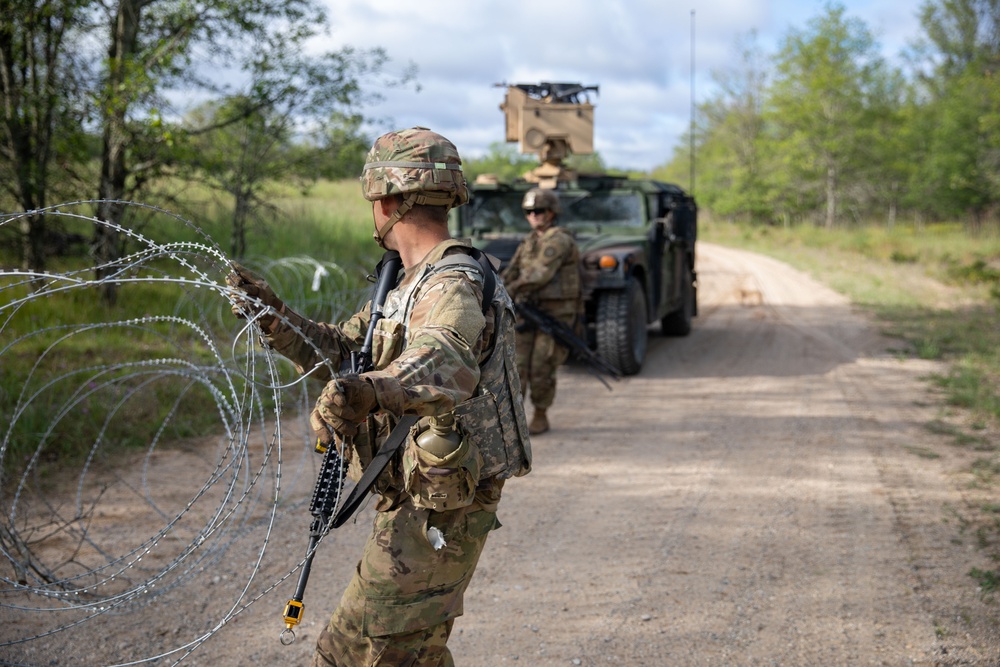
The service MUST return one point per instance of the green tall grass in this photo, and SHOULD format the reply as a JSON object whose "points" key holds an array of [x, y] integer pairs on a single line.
{"points": [[330, 222]]}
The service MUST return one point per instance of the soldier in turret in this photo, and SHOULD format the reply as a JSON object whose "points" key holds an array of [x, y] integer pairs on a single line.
{"points": [[545, 270]]}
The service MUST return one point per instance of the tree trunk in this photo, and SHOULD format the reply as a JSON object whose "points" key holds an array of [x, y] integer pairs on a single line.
{"points": [[831, 197], [32, 229], [26, 102], [241, 212], [107, 245], [893, 204]]}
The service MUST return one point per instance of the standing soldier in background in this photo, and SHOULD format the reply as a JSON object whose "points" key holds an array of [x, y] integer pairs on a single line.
{"points": [[443, 350], [545, 271]]}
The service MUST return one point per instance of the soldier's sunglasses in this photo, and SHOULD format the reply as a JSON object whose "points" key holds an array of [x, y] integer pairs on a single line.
{"points": [[535, 211]]}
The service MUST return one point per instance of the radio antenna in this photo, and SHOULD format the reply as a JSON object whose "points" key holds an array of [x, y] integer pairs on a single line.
{"points": [[691, 132]]}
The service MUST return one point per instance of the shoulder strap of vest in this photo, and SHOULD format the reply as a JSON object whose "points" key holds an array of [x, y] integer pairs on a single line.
{"points": [[474, 257]]}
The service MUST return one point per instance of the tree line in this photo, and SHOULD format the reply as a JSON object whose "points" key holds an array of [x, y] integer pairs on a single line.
{"points": [[91, 93], [827, 131]]}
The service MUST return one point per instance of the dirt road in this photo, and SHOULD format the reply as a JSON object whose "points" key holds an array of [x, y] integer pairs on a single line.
{"points": [[763, 493]]}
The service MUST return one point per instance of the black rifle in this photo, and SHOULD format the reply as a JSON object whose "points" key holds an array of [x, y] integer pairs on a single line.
{"points": [[330, 482], [566, 337]]}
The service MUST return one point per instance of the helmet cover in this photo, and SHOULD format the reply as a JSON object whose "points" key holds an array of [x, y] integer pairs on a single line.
{"points": [[416, 163], [538, 198]]}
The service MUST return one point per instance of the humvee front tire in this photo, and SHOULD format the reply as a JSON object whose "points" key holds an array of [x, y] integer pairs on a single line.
{"points": [[621, 327]]}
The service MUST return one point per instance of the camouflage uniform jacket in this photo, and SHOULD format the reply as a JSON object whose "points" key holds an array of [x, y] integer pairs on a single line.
{"points": [[427, 352], [546, 268]]}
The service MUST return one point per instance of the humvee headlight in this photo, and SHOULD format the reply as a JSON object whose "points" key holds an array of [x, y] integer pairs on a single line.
{"points": [[608, 262]]}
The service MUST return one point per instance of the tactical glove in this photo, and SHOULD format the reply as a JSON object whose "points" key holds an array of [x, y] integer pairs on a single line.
{"points": [[344, 403], [259, 297]]}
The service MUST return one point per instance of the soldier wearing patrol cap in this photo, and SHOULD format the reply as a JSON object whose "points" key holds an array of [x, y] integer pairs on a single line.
{"points": [[443, 350], [545, 271]]}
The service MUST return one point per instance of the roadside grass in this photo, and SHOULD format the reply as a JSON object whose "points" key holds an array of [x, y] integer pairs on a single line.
{"points": [[989, 581], [936, 289], [330, 222]]}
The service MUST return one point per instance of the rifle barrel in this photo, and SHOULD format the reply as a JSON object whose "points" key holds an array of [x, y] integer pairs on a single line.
{"points": [[568, 339]]}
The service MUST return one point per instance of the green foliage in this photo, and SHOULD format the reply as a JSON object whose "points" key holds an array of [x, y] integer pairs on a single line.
{"points": [[960, 171], [503, 160], [678, 170], [922, 452], [592, 163], [978, 271], [341, 151], [506, 163], [825, 131], [819, 107], [85, 86], [986, 469], [241, 143], [41, 133]]}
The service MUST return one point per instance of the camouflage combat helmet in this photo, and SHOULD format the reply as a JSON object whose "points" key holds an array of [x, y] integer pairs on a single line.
{"points": [[536, 198], [417, 163]]}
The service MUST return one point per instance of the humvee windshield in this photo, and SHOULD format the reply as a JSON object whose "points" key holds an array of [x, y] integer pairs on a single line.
{"points": [[499, 212]]}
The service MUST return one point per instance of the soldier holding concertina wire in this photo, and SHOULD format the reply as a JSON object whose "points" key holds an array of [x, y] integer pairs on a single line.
{"points": [[442, 351]]}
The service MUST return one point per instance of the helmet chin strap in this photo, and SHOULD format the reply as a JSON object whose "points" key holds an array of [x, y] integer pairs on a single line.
{"points": [[400, 211]]}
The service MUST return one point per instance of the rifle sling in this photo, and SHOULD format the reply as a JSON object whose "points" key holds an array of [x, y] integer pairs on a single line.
{"points": [[391, 445]]}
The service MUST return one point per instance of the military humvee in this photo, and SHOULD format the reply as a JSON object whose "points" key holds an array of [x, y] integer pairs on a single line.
{"points": [[636, 236]]}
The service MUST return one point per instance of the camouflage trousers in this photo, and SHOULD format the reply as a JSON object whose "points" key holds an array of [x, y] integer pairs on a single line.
{"points": [[400, 606], [539, 356]]}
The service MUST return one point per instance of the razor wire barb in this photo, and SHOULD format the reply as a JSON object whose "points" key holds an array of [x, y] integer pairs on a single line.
{"points": [[90, 405]]}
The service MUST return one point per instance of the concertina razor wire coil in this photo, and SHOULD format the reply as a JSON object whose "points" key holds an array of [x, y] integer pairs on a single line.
{"points": [[72, 567]]}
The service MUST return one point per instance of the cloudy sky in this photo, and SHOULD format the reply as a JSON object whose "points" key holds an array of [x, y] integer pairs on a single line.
{"points": [[637, 51]]}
